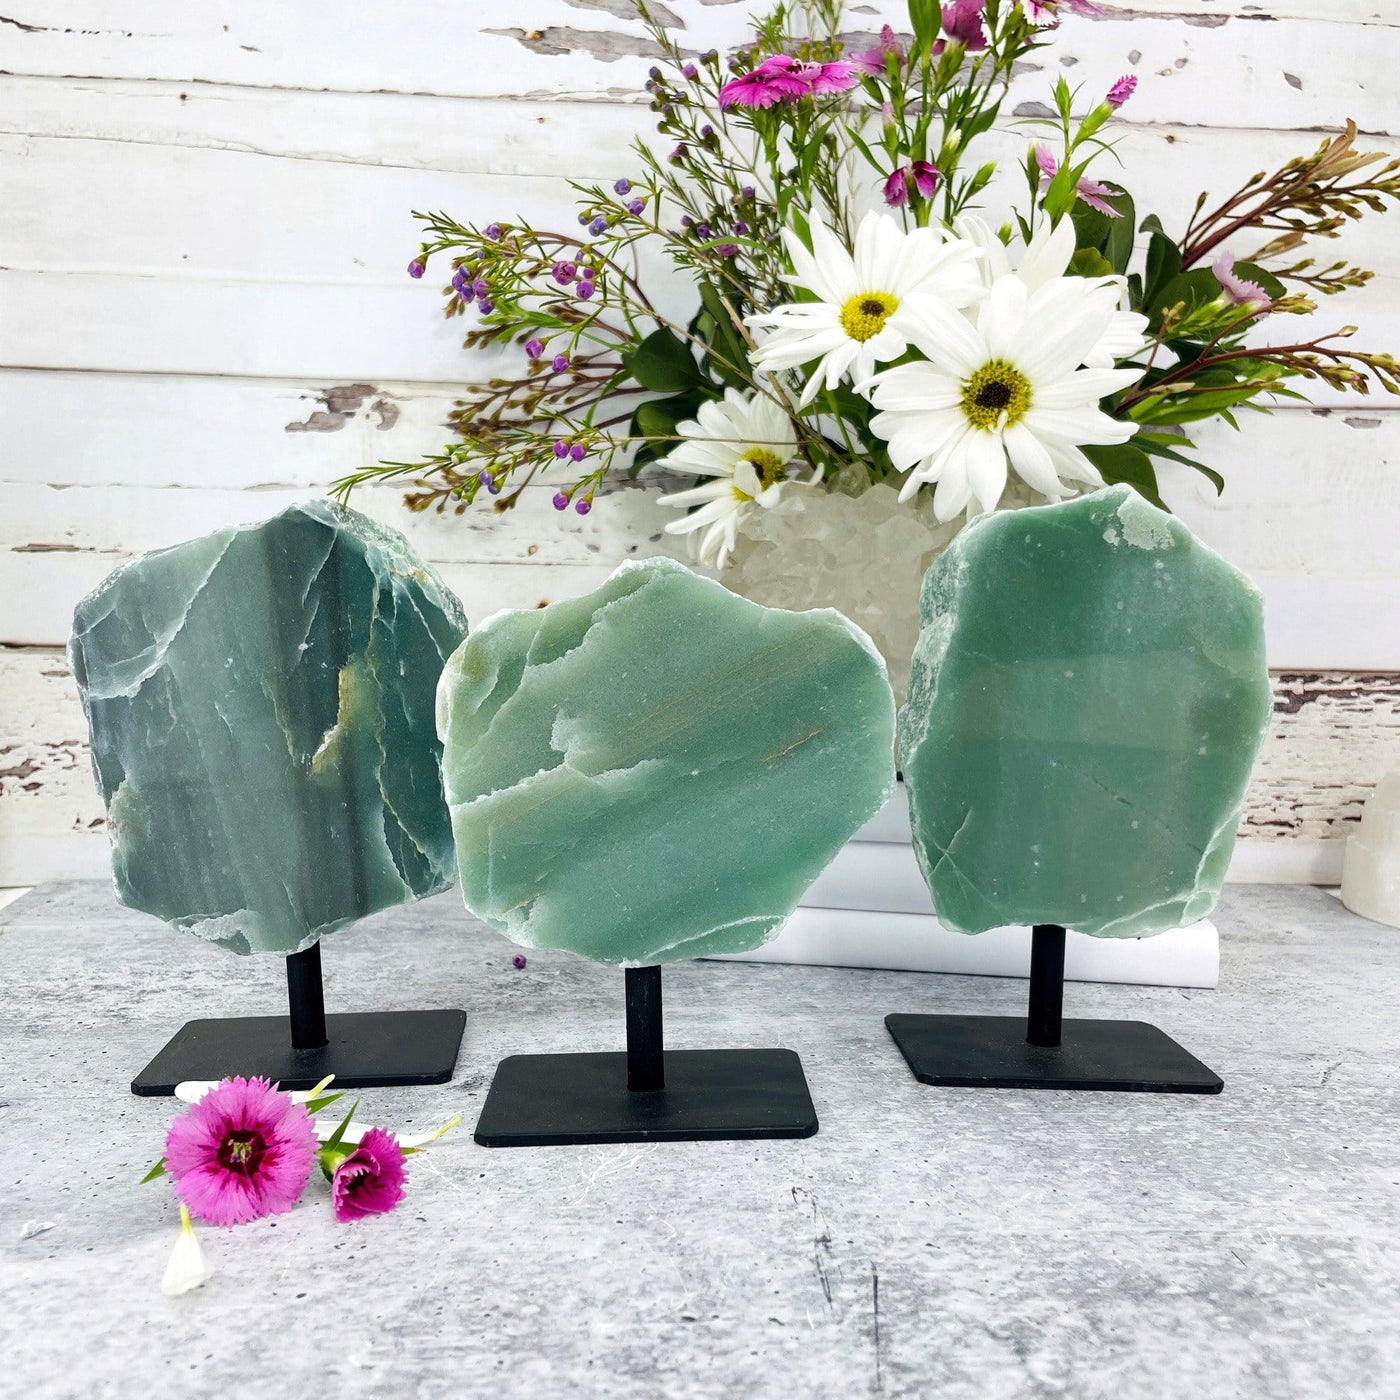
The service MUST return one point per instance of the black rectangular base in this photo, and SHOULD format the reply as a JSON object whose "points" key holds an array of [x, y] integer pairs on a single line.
{"points": [[990, 1052], [551, 1100], [367, 1049]]}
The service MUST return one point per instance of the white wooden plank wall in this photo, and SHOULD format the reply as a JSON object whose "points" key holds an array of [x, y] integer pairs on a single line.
{"points": [[204, 219]]}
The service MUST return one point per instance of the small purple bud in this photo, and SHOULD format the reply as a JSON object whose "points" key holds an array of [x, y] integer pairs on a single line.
{"points": [[702, 230], [727, 250], [559, 364], [479, 287], [740, 227], [686, 221], [534, 348], [416, 268], [583, 505], [583, 218], [707, 131], [577, 452], [746, 192], [653, 73], [623, 186], [485, 306], [518, 962], [585, 290], [709, 56], [484, 477], [636, 206], [493, 232], [690, 70], [598, 225], [561, 448], [667, 107], [677, 155], [585, 274], [561, 501]]}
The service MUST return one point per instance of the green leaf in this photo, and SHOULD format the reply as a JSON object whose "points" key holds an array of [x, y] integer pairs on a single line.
{"points": [[1089, 262], [156, 1171], [925, 18], [1163, 260], [1194, 289], [1122, 462], [335, 1138], [727, 341], [662, 363], [1118, 248]]}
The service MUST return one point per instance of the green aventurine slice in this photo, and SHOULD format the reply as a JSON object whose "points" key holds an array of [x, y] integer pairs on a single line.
{"points": [[660, 769], [1088, 696], [261, 709]]}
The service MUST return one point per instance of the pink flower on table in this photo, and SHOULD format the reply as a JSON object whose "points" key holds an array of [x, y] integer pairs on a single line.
{"points": [[1121, 91], [370, 1180], [962, 24], [1239, 290], [1094, 194], [243, 1151], [920, 175]]}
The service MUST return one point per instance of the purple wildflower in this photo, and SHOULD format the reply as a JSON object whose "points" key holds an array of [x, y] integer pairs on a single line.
{"points": [[740, 227], [493, 232], [585, 290], [534, 348], [598, 225], [563, 273], [622, 186], [727, 250], [636, 206], [746, 192], [561, 448], [561, 500], [577, 452], [702, 230], [583, 505], [559, 364], [416, 268], [690, 70], [486, 306]]}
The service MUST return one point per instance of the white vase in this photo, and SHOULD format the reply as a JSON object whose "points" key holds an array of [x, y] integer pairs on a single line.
{"points": [[855, 548]]}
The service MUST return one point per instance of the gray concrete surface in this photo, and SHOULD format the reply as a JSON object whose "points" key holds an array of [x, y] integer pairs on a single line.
{"points": [[927, 1242]]}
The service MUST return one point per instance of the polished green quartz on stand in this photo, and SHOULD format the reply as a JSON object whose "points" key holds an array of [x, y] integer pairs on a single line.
{"points": [[658, 770], [1088, 696], [261, 709]]}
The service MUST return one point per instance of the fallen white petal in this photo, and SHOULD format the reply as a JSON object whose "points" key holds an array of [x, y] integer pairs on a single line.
{"points": [[188, 1267], [30, 1228]]}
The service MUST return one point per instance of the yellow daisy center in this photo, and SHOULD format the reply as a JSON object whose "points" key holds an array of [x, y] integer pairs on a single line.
{"points": [[865, 314], [995, 396], [767, 464]]}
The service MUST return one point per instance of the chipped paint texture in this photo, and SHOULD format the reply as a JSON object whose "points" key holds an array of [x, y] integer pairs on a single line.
{"points": [[162, 377]]}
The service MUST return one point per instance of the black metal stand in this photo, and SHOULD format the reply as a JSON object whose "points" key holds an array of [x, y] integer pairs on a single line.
{"points": [[363, 1049], [1044, 1051], [646, 1094]]}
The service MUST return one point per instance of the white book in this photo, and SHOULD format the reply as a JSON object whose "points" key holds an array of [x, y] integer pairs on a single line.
{"points": [[1183, 957]]}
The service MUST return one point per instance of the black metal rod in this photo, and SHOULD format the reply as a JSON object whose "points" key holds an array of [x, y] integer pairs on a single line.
{"points": [[306, 999], [645, 1070], [1047, 984]]}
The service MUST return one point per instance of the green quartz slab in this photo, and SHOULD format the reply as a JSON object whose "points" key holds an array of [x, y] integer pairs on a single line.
{"points": [[658, 770], [261, 709], [1088, 696]]}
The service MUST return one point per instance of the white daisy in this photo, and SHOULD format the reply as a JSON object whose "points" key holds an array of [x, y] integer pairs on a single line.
{"points": [[1046, 257], [1007, 386], [867, 300], [745, 444]]}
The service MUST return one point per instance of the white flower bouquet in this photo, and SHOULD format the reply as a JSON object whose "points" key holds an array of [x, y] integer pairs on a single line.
{"points": [[859, 318]]}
